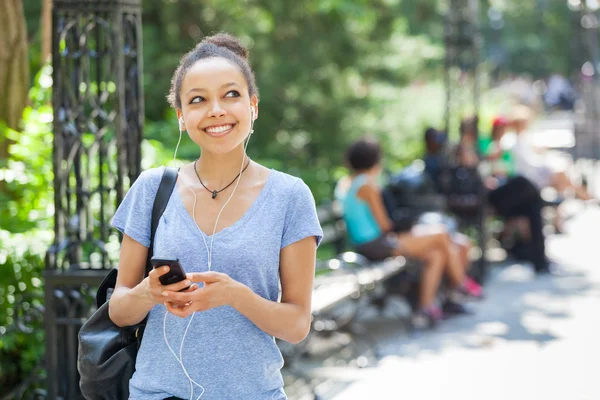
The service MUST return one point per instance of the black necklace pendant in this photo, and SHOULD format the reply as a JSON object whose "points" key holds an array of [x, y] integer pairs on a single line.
{"points": [[216, 192]]}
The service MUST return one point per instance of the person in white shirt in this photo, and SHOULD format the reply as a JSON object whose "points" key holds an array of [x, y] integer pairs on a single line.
{"points": [[531, 165]]}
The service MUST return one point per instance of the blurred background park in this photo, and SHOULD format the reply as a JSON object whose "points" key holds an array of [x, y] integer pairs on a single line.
{"points": [[83, 110]]}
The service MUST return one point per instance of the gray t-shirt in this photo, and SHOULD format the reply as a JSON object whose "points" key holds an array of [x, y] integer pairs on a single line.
{"points": [[223, 351]]}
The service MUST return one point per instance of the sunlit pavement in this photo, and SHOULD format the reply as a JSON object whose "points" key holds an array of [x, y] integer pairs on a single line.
{"points": [[532, 338]]}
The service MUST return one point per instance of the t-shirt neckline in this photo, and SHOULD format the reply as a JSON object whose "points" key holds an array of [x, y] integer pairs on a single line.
{"points": [[189, 220]]}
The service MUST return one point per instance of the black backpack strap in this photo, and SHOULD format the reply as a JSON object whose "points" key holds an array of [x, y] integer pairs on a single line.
{"points": [[167, 183]]}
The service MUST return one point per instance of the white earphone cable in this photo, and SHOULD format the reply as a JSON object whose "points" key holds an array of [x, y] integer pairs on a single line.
{"points": [[179, 141], [209, 251]]}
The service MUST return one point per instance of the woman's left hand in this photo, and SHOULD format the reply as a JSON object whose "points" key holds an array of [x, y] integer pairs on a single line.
{"points": [[218, 290]]}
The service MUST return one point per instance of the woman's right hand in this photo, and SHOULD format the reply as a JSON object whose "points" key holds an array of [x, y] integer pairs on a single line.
{"points": [[155, 289]]}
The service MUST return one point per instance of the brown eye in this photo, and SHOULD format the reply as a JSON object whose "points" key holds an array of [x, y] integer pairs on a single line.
{"points": [[197, 99], [233, 93]]}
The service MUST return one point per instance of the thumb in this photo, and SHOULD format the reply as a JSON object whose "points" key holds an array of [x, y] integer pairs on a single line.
{"points": [[208, 277]]}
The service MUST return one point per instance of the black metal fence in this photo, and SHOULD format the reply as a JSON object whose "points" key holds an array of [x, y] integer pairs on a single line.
{"points": [[462, 43], [98, 117], [462, 40]]}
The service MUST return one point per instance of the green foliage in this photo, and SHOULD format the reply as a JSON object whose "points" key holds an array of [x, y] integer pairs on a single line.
{"points": [[21, 304], [318, 68], [535, 37], [27, 177], [26, 180]]}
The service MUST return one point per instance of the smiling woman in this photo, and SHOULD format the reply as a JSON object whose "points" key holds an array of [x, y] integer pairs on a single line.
{"points": [[239, 230]]}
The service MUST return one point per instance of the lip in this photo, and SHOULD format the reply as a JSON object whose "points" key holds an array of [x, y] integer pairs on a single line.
{"points": [[219, 134]]}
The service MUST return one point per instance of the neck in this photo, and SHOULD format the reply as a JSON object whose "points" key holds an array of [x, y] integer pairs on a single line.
{"points": [[368, 172], [218, 170]]}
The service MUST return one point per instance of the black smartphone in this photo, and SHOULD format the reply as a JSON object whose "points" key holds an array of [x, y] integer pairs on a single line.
{"points": [[175, 274]]}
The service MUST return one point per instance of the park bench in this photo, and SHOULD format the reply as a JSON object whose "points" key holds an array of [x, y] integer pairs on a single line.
{"points": [[466, 199], [345, 283]]}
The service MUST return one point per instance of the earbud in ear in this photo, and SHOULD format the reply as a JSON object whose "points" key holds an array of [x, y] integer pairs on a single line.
{"points": [[251, 120], [180, 123]]}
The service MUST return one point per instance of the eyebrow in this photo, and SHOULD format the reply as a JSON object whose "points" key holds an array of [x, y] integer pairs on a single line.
{"points": [[204, 90]]}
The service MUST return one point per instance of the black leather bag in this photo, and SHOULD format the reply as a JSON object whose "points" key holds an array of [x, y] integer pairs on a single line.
{"points": [[107, 353]]}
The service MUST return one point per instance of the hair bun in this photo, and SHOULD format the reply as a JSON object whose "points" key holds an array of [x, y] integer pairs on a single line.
{"points": [[229, 42]]}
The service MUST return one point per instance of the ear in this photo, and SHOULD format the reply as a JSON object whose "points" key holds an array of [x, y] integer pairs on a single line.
{"points": [[254, 105], [180, 120]]}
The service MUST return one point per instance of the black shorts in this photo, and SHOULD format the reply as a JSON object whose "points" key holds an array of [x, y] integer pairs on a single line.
{"points": [[378, 249]]}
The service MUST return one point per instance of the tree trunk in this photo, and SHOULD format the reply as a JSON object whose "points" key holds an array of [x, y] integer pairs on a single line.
{"points": [[46, 27], [14, 68]]}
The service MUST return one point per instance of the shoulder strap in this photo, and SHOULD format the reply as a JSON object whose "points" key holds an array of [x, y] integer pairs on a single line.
{"points": [[167, 183], [163, 194]]}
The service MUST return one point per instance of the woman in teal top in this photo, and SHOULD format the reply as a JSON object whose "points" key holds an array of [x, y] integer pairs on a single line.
{"points": [[361, 223], [372, 232]]}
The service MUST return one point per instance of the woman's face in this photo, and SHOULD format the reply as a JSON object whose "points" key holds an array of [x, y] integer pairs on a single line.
{"points": [[215, 105]]}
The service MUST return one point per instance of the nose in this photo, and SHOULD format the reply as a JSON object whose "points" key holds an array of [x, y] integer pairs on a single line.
{"points": [[216, 110]]}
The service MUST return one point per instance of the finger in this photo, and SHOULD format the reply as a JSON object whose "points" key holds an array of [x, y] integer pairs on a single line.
{"points": [[181, 297], [175, 287], [179, 305], [192, 308], [158, 272], [205, 276], [176, 310], [165, 293], [192, 287]]}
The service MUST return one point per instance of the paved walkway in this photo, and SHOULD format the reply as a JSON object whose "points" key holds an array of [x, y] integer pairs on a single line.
{"points": [[533, 338]]}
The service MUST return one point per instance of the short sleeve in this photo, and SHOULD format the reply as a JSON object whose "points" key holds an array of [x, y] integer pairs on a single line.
{"points": [[134, 215], [301, 218]]}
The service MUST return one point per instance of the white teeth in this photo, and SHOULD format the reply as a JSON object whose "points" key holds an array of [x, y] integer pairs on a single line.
{"points": [[218, 129]]}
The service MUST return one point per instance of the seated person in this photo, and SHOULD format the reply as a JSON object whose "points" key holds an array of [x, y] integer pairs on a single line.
{"points": [[372, 232], [530, 164], [513, 197], [501, 163], [467, 151], [434, 157]]}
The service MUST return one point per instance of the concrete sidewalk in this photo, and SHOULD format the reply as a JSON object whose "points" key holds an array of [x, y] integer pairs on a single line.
{"points": [[532, 338]]}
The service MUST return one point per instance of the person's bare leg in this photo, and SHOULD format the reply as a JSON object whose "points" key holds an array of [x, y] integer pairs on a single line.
{"points": [[435, 263], [464, 246], [456, 267], [561, 182], [420, 246]]}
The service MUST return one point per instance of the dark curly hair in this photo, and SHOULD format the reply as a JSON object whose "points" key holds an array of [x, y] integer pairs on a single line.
{"points": [[363, 154], [220, 45]]}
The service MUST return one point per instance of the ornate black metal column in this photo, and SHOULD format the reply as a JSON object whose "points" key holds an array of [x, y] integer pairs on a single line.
{"points": [[98, 117], [587, 118], [462, 38]]}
